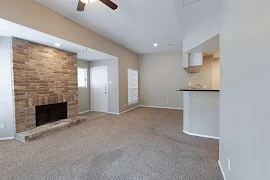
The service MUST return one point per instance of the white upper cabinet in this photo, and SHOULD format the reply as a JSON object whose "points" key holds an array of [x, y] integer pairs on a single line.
{"points": [[192, 62], [185, 60]]}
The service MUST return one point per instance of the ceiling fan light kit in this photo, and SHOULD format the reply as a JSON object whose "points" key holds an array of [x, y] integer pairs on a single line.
{"points": [[82, 3]]}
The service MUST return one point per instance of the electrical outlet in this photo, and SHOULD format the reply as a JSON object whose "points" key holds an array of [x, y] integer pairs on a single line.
{"points": [[167, 102], [2, 125], [189, 84], [204, 86], [229, 164]]}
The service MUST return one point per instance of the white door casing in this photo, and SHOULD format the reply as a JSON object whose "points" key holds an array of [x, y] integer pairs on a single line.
{"points": [[99, 88]]}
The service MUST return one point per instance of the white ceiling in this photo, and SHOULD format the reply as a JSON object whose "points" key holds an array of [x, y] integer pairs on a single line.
{"points": [[138, 24], [209, 46], [11, 29]]}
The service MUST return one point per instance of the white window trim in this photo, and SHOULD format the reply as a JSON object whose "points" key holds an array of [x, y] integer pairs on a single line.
{"points": [[135, 102], [86, 76]]}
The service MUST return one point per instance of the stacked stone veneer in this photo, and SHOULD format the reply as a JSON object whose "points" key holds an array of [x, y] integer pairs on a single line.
{"points": [[42, 75]]}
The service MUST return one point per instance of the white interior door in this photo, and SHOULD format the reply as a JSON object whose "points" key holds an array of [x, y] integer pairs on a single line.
{"points": [[99, 89]]}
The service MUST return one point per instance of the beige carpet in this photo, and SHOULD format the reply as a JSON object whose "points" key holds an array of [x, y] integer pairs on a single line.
{"points": [[142, 144]]}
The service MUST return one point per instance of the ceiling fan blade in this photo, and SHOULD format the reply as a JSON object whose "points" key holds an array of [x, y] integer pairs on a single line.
{"points": [[110, 4], [81, 6]]}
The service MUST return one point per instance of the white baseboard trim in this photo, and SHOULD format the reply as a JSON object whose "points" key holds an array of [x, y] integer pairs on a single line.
{"points": [[85, 112], [144, 106], [200, 135], [113, 113], [123, 111], [6, 138], [129, 110], [161, 107], [222, 171]]}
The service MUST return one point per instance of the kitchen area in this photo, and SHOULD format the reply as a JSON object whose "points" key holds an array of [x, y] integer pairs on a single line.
{"points": [[201, 96]]}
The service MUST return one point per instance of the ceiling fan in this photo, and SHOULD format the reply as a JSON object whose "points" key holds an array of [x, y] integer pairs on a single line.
{"points": [[82, 3]]}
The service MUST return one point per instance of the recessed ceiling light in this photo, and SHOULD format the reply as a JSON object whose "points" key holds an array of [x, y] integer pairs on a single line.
{"points": [[57, 45], [155, 44]]}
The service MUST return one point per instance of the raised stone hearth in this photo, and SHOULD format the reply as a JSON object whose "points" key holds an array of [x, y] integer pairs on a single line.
{"points": [[47, 129]]}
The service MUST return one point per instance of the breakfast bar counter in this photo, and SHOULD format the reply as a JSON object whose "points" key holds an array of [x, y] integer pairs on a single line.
{"points": [[201, 112]]}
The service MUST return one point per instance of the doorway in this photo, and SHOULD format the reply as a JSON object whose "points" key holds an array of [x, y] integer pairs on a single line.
{"points": [[99, 88]]}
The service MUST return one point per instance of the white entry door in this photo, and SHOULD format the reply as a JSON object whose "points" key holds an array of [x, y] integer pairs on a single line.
{"points": [[99, 89]]}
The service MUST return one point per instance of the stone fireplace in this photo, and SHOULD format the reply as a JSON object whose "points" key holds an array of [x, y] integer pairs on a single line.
{"points": [[43, 76]]}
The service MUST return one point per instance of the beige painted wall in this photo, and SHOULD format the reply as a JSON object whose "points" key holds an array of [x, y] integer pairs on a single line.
{"points": [[216, 74], [112, 66], [245, 90], [84, 93], [160, 75], [6, 88], [123, 83], [209, 74], [33, 15], [204, 77]]}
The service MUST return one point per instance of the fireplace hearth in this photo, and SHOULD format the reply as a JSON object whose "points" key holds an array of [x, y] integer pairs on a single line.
{"points": [[50, 113]]}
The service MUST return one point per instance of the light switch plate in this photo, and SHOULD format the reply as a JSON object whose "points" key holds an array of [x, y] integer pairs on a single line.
{"points": [[2, 125]]}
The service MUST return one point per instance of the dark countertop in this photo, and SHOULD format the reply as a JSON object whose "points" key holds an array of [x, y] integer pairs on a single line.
{"points": [[190, 89]]}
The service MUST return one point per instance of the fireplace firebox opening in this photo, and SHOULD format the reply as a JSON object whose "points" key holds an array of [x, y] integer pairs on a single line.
{"points": [[50, 113]]}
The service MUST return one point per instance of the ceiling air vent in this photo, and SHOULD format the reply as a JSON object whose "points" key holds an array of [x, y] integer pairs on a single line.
{"points": [[189, 2]]}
